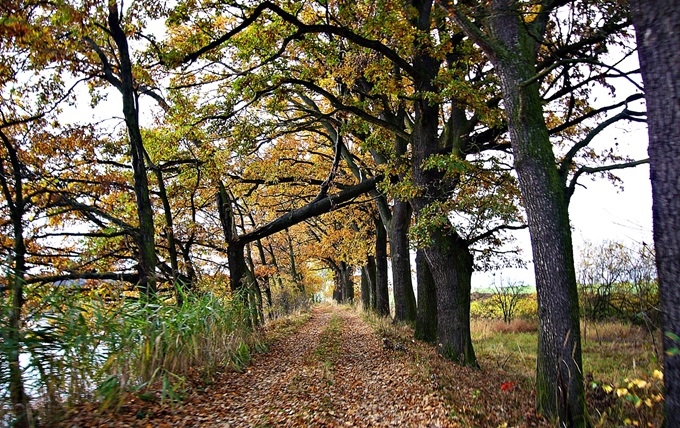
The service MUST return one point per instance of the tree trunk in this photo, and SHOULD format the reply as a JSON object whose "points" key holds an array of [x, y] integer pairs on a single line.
{"points": [[238, 269], [347, 283], [382, 293], [658, 36], [266, 278], [15, 202], [235, 248], [180, 287], [450, 263], [17, 393], [426, 321], [337, 291], [404, 299], [450, 284], [559, 374], [146, 237], [254, 286], [365, 290], [371, 268]]}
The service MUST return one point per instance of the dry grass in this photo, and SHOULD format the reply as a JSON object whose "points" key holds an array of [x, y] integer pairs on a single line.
{"points": [[482, 328]]}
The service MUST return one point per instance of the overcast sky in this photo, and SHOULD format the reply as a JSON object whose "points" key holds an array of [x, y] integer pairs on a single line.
{"points": [[599, 210]]}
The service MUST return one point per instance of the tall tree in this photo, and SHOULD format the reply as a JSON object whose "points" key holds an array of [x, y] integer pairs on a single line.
{"points": [[512, 47], [128, 88], [12, 185], [657, 24], [517, 37]]}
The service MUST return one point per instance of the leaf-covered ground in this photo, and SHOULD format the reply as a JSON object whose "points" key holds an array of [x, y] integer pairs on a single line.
{"points": [[337, 370]]}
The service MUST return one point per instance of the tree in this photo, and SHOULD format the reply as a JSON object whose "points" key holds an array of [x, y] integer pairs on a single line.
{"points": [[519, 39], [416, 65], [507, 296], [656, 26], [125, 83]]}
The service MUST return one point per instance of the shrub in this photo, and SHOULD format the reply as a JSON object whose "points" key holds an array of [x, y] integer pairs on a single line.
{"points": [[81, 347]]}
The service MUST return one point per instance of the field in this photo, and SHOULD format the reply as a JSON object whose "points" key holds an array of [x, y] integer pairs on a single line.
{"points": [[621, 361]]}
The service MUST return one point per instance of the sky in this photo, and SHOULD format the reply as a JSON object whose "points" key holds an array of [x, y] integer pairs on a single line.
{"points": [[599, 210]]}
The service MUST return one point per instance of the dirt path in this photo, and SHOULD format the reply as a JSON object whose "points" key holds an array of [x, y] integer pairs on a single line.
{"points": [[334, 371], [315, 378]]}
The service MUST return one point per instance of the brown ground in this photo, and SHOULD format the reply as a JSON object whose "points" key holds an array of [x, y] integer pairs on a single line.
{"points": [[302, 382]]}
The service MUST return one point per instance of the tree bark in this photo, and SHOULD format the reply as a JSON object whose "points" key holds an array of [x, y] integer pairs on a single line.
{"points": [[658, 36], [451, 266], [266, 278], [404, 299], [512, 49], [426, 321], [254, 287], [347, 283], [382, 293], [371, 272], [365, 290], [452, 334], [180, 287]]}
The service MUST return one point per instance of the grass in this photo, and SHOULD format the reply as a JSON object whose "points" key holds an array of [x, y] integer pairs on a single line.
{"points": [[617, 359], [612, 351], [328, 350], [91, 349]]}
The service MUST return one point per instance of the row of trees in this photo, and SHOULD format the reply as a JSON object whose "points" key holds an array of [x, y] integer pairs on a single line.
{"points": [[247, 126]]}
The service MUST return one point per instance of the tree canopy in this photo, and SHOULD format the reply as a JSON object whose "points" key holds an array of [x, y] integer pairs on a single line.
{"points": [[158, 146]]}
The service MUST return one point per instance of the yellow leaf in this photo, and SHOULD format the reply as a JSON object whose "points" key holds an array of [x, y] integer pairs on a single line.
{"points": [[620, 392], [640, 383], [658, 374], [607, 388]]}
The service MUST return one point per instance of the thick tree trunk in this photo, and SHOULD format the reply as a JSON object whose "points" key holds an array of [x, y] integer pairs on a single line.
{"points": [[337, 291], [559, 374], [404, 299], [451, 265], [382, 293], [658, 37], [235, 249], [344, 287], [146, 237], [426, 322], [238, 269], [450, 284], [365, 290]]}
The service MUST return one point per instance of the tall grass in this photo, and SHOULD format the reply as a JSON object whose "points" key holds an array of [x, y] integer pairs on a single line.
{"points": [[78, 346]]}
